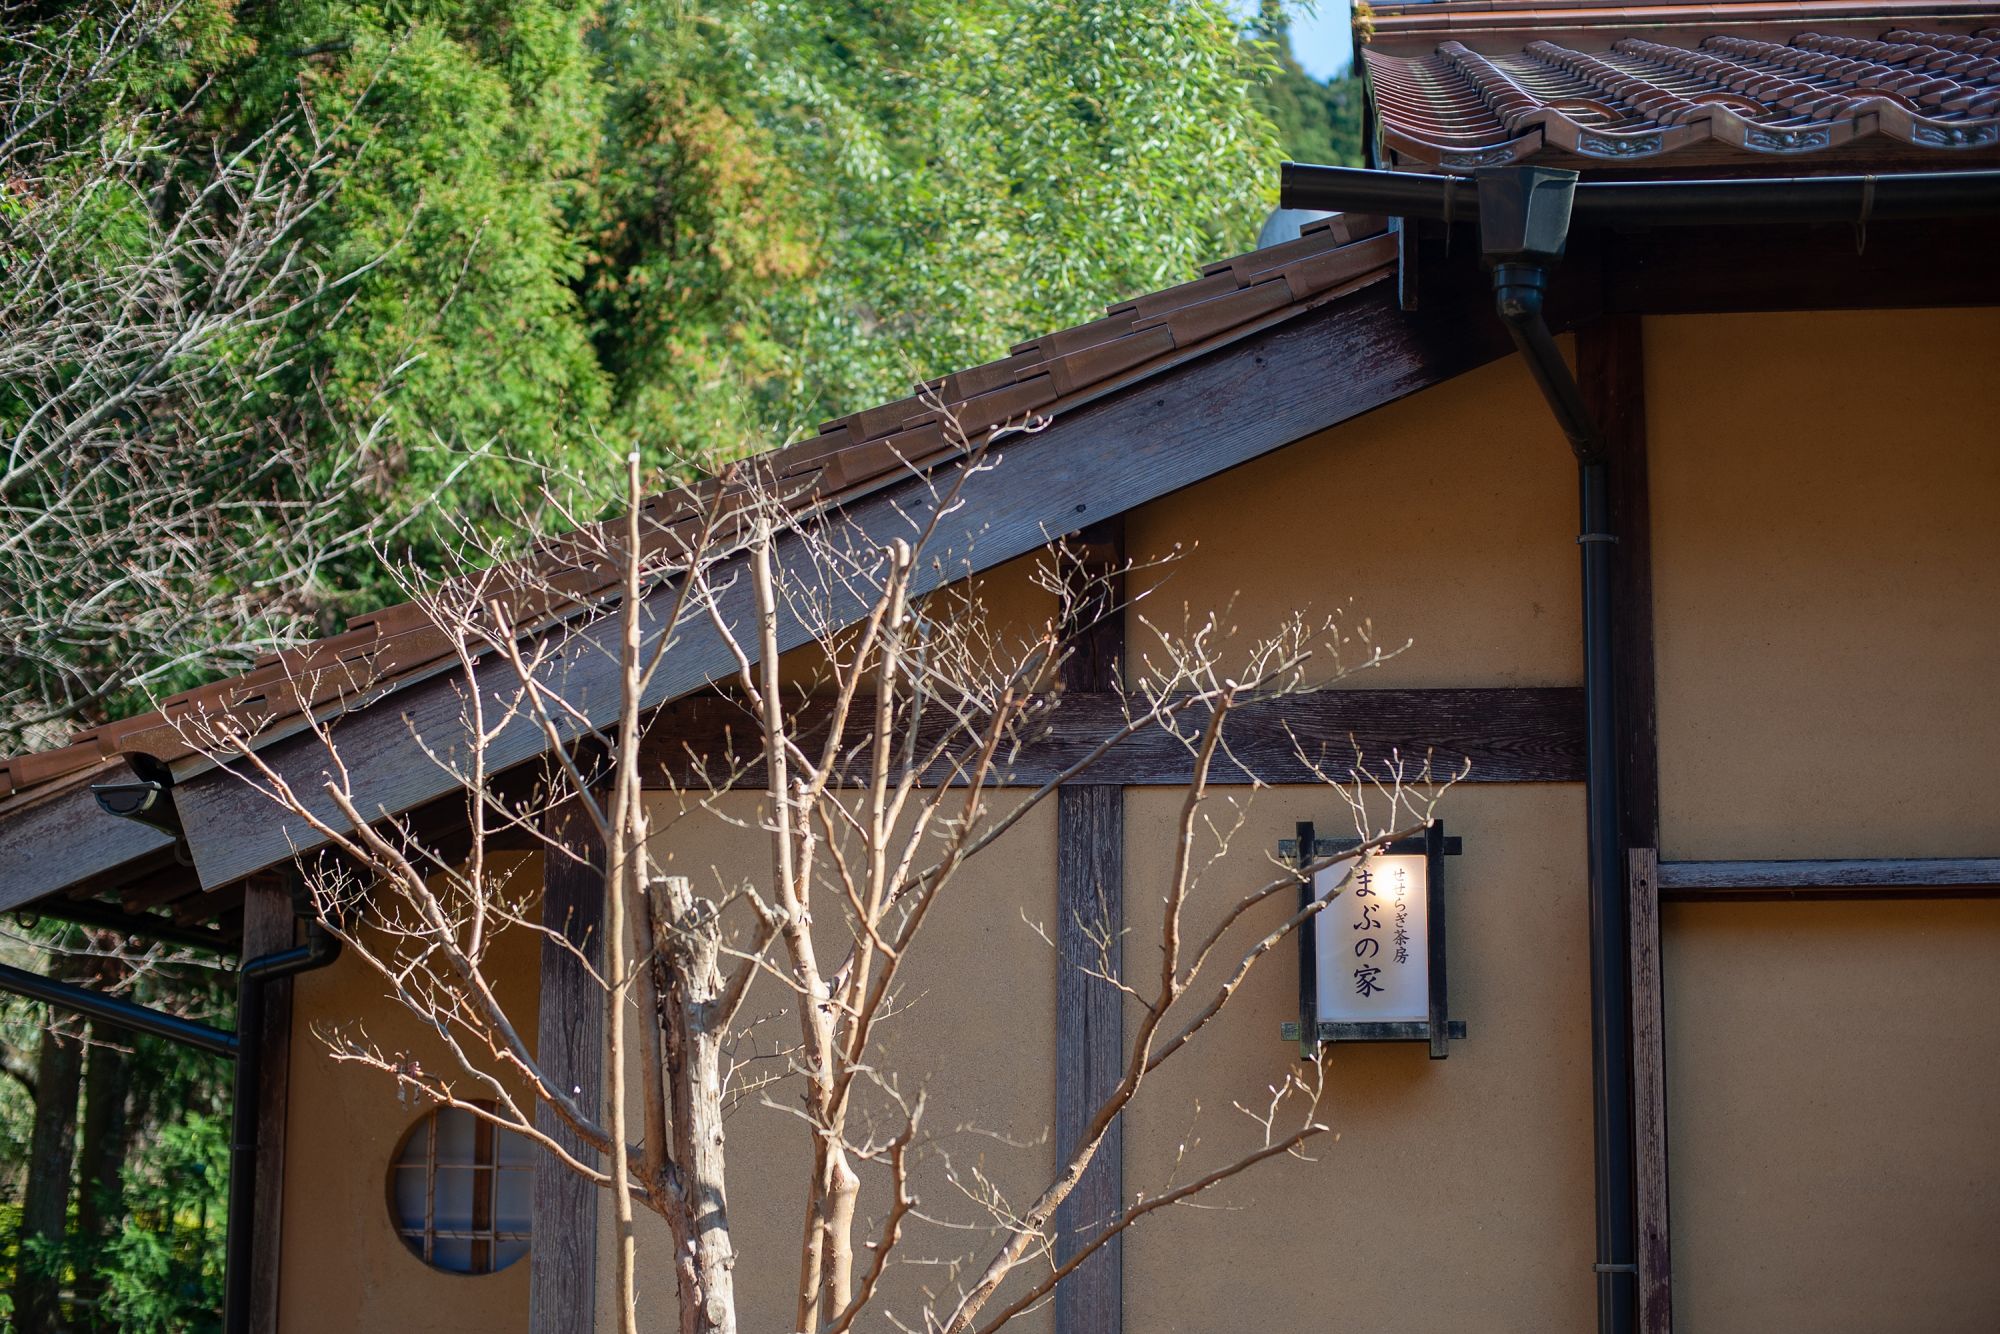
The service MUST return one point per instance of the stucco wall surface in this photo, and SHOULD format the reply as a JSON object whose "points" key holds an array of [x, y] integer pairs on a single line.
{"points": [[1833, 1074], [972, 1036], [1458, 1194], [1826, 563], [343, 1266], [1446, 521]]}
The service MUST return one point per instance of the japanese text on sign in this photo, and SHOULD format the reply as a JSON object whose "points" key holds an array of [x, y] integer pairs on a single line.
{"points": [[1373, 964]]}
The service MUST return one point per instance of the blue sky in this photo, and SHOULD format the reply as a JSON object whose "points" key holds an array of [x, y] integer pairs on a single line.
{"points": [[1321, 38]]}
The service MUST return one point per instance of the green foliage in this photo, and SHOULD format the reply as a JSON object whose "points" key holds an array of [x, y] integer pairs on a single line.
{"points": [[974, 174], [701, 227], [569, 227], [162, 1273], [159, 1265]]}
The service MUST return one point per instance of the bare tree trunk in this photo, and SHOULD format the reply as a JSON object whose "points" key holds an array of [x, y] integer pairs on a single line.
{"points": [[107, 1080], [843, 1190], [687, 940], [45, 1201]]}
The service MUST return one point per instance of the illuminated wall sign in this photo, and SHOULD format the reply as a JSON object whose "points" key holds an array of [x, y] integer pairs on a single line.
{"points": [[1372, 966], [1374, 959]]}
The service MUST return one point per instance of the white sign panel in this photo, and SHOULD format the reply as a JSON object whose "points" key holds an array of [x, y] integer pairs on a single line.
{"points": [[1374, 942]]}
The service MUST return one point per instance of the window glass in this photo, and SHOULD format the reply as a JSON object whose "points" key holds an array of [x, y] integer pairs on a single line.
{"points": [[461, 1192]]}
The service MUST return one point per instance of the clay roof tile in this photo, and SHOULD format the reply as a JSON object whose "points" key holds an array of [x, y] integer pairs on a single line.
{"points": [[1674, 77]]}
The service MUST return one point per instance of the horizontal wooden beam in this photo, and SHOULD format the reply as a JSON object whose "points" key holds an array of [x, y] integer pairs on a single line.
{"points": [[1505, 735], [1917, 877], [1155, 437], [1712, 270]]}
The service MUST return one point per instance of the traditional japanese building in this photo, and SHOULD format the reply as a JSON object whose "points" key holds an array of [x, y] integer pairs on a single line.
{"points": [[1646, 387]]}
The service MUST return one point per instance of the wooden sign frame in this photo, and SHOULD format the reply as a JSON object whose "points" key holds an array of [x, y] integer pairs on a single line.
{"points": [[1438, 1030]]}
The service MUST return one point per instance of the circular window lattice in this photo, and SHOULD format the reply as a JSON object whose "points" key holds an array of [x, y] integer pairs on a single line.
{"points": [[460, 1192]]}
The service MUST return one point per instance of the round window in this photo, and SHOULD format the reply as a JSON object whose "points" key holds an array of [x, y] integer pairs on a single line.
{"points": [[461, 1192]]}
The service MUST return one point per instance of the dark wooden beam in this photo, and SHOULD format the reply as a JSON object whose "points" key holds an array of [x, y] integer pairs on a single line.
{"points": [[270, 925], [1649, 1093], [1856, 878], [569, 1046], [1152, 438], [1611, 372], [1708, 270], [1507, 735], [67, 842], [1090, 905]]}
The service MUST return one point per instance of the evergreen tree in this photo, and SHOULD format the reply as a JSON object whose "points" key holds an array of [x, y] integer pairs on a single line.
{"points": [[1315, 121]]}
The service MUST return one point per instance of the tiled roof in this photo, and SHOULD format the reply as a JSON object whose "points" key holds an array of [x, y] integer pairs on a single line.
{"points": [[849, 458], [1736, 85], [1404, 27]]}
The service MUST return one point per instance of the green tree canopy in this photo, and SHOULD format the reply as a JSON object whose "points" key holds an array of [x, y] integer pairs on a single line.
{"points": [[696, 227], [702, 227]]}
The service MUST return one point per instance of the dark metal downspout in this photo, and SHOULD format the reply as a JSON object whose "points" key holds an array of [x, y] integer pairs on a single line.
{"points": [[1524, 217], [322, 947]]}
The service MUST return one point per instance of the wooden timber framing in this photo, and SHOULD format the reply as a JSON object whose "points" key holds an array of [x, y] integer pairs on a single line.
{"points": [[569, 1046], [1530, 734], [1090, 906], [1649, 1091], [1611, 372], [1152, 438], [1895, 265], [1851, 878], [270, 924]]}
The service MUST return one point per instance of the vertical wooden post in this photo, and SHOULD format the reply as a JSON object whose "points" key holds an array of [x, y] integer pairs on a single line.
{"points": [[1649, 1093], [270, 924], [1090, 902], [562, 1278], [1610, 357]]}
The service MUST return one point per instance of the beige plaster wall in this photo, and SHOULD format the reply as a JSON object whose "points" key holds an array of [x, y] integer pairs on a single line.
{"points": [[1466, 1180], [1458, 1194], [972, 1036], [1447, 521], [1826, 563], [343, 1266], [1833, 1074], [1013, 598]]}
